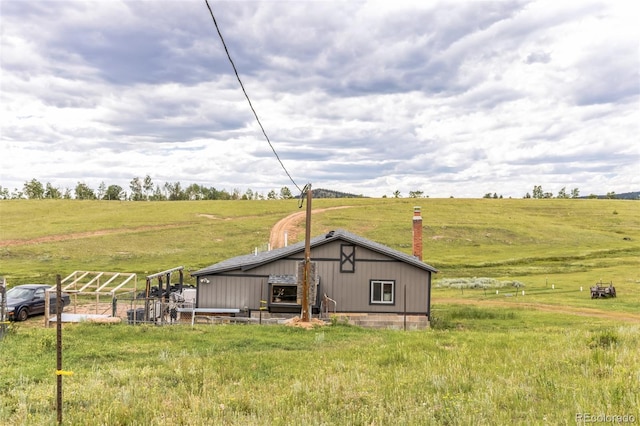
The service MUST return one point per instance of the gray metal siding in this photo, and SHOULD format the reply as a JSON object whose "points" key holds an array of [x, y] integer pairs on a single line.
{"points": [[352, 290], [238, 289], [231, 292]]}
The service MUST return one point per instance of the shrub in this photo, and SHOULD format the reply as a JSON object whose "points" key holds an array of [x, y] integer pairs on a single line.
{"points": [[475, 282]]}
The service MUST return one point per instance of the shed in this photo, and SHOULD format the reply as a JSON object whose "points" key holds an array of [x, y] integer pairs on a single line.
{"points": [[363, 279]]}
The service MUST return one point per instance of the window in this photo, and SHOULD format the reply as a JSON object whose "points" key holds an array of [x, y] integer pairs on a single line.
{"points": [[382, 292], [284, 293], [39, 294]]}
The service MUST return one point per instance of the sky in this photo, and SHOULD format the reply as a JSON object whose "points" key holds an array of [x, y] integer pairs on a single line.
{"points": [[451, 98]]}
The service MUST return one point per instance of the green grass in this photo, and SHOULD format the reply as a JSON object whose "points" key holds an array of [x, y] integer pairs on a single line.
{"points": [[505, 358], [463, 237], [504, 372]]}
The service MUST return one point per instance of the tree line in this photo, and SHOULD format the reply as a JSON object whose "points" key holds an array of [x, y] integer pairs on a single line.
{"points": [[540, 194], [574, 193], [139, 190], [144, 189]]}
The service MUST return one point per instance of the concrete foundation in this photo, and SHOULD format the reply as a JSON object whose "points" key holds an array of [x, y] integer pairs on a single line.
{"points": [[388, 321]]}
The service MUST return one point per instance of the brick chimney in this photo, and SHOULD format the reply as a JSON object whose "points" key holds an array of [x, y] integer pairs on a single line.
{"points": [[417, 233]]}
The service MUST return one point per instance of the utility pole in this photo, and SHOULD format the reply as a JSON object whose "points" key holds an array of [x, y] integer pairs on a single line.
{"points": [[59, 371], [307, 259]]}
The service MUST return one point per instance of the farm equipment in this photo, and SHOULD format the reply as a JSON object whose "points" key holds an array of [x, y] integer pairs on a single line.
{"points": [[601, 291], [165, 299]]}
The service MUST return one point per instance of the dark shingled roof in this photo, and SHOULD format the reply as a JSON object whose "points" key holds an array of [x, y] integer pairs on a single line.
{"points": [[250, 261]]}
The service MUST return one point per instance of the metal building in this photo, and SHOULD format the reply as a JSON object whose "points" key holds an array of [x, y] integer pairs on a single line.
{"points": [[355, 277]]}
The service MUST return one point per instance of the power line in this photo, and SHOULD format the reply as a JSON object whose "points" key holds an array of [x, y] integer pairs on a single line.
{"points": [[247, 96]]}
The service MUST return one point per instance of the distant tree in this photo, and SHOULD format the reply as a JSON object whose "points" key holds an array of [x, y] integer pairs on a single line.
{"points": [[248, 195], [415, 194], [213, 194], [223, 194], [83, 192], [592, 196], [67, 194], [563, 193], [537, 192], [527, 195], [52, 192], [33, 189], [396, 194], [611, 195], [136, 189], [157, 194], [207, 193], [487, 195], [102, 189], [16, 194], [174, 191], [575, 193], [285, 193], [547, 195], [147, 185], [235, 195], [271, 195], [194, 192], [4, 193], [114, 192]]}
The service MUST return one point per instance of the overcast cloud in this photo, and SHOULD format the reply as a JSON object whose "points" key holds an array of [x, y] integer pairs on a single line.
{"points": [[456, 98]]}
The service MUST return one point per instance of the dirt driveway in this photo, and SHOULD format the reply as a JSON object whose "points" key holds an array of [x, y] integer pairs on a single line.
{"points": [[292, 225]]}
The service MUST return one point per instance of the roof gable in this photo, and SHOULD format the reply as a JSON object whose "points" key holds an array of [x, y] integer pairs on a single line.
{"points": [[250, 261]]}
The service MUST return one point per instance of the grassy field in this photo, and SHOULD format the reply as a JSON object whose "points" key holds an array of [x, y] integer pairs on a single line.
{"points": [[504, 366], [582, 239], [505, 358]]}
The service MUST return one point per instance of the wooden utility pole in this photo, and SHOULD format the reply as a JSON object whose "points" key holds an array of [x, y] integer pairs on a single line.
{"points": [[307, 259], [58, 346]]}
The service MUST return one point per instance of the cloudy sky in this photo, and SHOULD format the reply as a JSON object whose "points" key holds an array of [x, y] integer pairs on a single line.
{"points": [[452, 98]]}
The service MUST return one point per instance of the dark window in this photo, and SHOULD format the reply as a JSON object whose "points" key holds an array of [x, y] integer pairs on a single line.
{"points": [[284, 293], [382, 292], [347, 258]]}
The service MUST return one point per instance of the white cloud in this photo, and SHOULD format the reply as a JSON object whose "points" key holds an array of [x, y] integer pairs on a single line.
{"points": [[452, 98]]}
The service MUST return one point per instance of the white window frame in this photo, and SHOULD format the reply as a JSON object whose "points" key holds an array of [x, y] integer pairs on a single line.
{"points": [[383, 284]]}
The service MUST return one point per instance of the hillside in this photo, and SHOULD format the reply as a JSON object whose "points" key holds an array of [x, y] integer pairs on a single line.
{"points": [[625, 196], [463, 237], [329, 193], [489, 357]]}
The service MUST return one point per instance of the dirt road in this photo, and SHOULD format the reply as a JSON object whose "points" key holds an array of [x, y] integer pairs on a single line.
{"points": [[291, 225], [88, 234]]}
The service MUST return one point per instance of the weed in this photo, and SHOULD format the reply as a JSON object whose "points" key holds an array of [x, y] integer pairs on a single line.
{"points": [[440, 323], [605, 339]]}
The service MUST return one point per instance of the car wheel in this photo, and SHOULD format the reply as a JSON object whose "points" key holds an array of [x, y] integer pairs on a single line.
{"points": [[23, 314]]}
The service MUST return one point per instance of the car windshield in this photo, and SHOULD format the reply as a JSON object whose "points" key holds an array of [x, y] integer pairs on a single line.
{"points": [[19, 293]]}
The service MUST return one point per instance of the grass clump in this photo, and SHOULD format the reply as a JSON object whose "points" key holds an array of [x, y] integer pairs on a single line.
{"points": [[459, 317], [605, 339]]}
